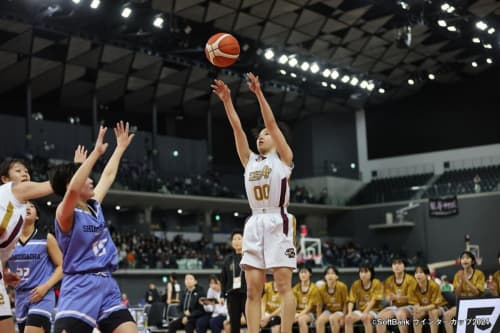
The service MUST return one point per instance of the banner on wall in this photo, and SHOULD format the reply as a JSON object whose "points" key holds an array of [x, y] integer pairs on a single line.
{"points": [[478, 315], [443, 207]]}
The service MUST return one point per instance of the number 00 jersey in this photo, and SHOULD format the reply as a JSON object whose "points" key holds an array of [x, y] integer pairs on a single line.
{"points": [[266, 181]]}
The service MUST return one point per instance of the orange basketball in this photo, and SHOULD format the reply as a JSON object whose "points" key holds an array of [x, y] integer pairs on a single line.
{"points": [[222, 49]]}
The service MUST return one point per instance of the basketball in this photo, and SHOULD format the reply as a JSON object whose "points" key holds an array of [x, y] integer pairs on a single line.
{"points": [[222, 50]]}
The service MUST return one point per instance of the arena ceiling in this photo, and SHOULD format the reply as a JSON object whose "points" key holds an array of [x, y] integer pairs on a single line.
{"points": [[69, 52]]}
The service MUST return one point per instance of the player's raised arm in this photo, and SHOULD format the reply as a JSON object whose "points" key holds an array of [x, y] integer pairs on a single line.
{"points": [[224, 94], [123, 139], [282, 147], [26, 191], [64, 212]]}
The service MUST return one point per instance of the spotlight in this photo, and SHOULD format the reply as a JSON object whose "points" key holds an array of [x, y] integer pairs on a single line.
{"points": [[49, 203], [283, 59], [363, 84], [326, 72], [431, 76], [269, 54], [442, 23], [293, 75], [95, 4], [333, 86], [324, 84], [487, 46], [370, 86], [236, 214], [491, 31], [293, 62], [126, 12], [117, 207], [411, 82], [353, 165], [175, 153], [481, 25], [335, 75], [158, 22], [354, 81], [345, 78], [489, 61], [474, 64], [452, 28], [381, 90], [282, 72], [314, 68], [76, 1], [404, 5], [304, 66], [179, 211], [476, 40], [445, 6]]}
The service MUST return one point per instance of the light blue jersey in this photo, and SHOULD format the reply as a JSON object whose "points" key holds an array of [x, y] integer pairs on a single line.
{"points": [[31, 261], [88, 247]]}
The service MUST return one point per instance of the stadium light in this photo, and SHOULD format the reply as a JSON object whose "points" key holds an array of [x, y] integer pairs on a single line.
{"points": [[314, 68], [326, 72], [335, 75], [487, 46], [283, 59], [411, 82], [491, 31], [293, 75], [445, 6], [476, 40], [474, 64], [452, 28], [304, 66], [117, 207], [354, 81], [282, 72], [236, 214], [363, 84], [381, 90], [442, 23], [49, 203], [269, 54], [76, 1], [126, 12], [95, 4], [481, 25], [324, 84], [431, 76], [370, 86], [175, 153], [333, 86], [489, 61], [179, 211], [158, 22], [293, 62], [345, 78]]}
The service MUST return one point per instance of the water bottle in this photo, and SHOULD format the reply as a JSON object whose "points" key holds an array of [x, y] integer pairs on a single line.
{"points": [[146, 321]]}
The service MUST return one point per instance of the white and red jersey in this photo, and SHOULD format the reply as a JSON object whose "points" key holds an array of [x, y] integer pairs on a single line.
{"points": [[12, 216], [266, 181]]}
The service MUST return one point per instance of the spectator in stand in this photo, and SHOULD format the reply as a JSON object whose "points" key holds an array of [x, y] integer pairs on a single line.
{"points": [[173, 289], [191, 306], [216, 312], [125, 300], [152, 294], [494, 281]]}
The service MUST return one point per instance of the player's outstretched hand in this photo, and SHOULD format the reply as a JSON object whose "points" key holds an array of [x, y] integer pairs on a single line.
{"points": [[100, 146], [123, 138], [254, 84], [221, 90], [80, 154]]}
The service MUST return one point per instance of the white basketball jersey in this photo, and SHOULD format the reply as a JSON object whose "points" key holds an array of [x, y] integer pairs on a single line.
{"points": [[12, 216], [266, 181]]}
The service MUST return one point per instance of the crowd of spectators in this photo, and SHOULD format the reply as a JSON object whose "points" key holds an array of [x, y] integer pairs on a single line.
{"points": [[353, 255], [142, 176]]}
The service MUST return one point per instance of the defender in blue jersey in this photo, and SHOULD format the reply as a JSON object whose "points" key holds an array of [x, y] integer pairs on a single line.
{"points": [[16, 188], [37, 260], [89, 297]]}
